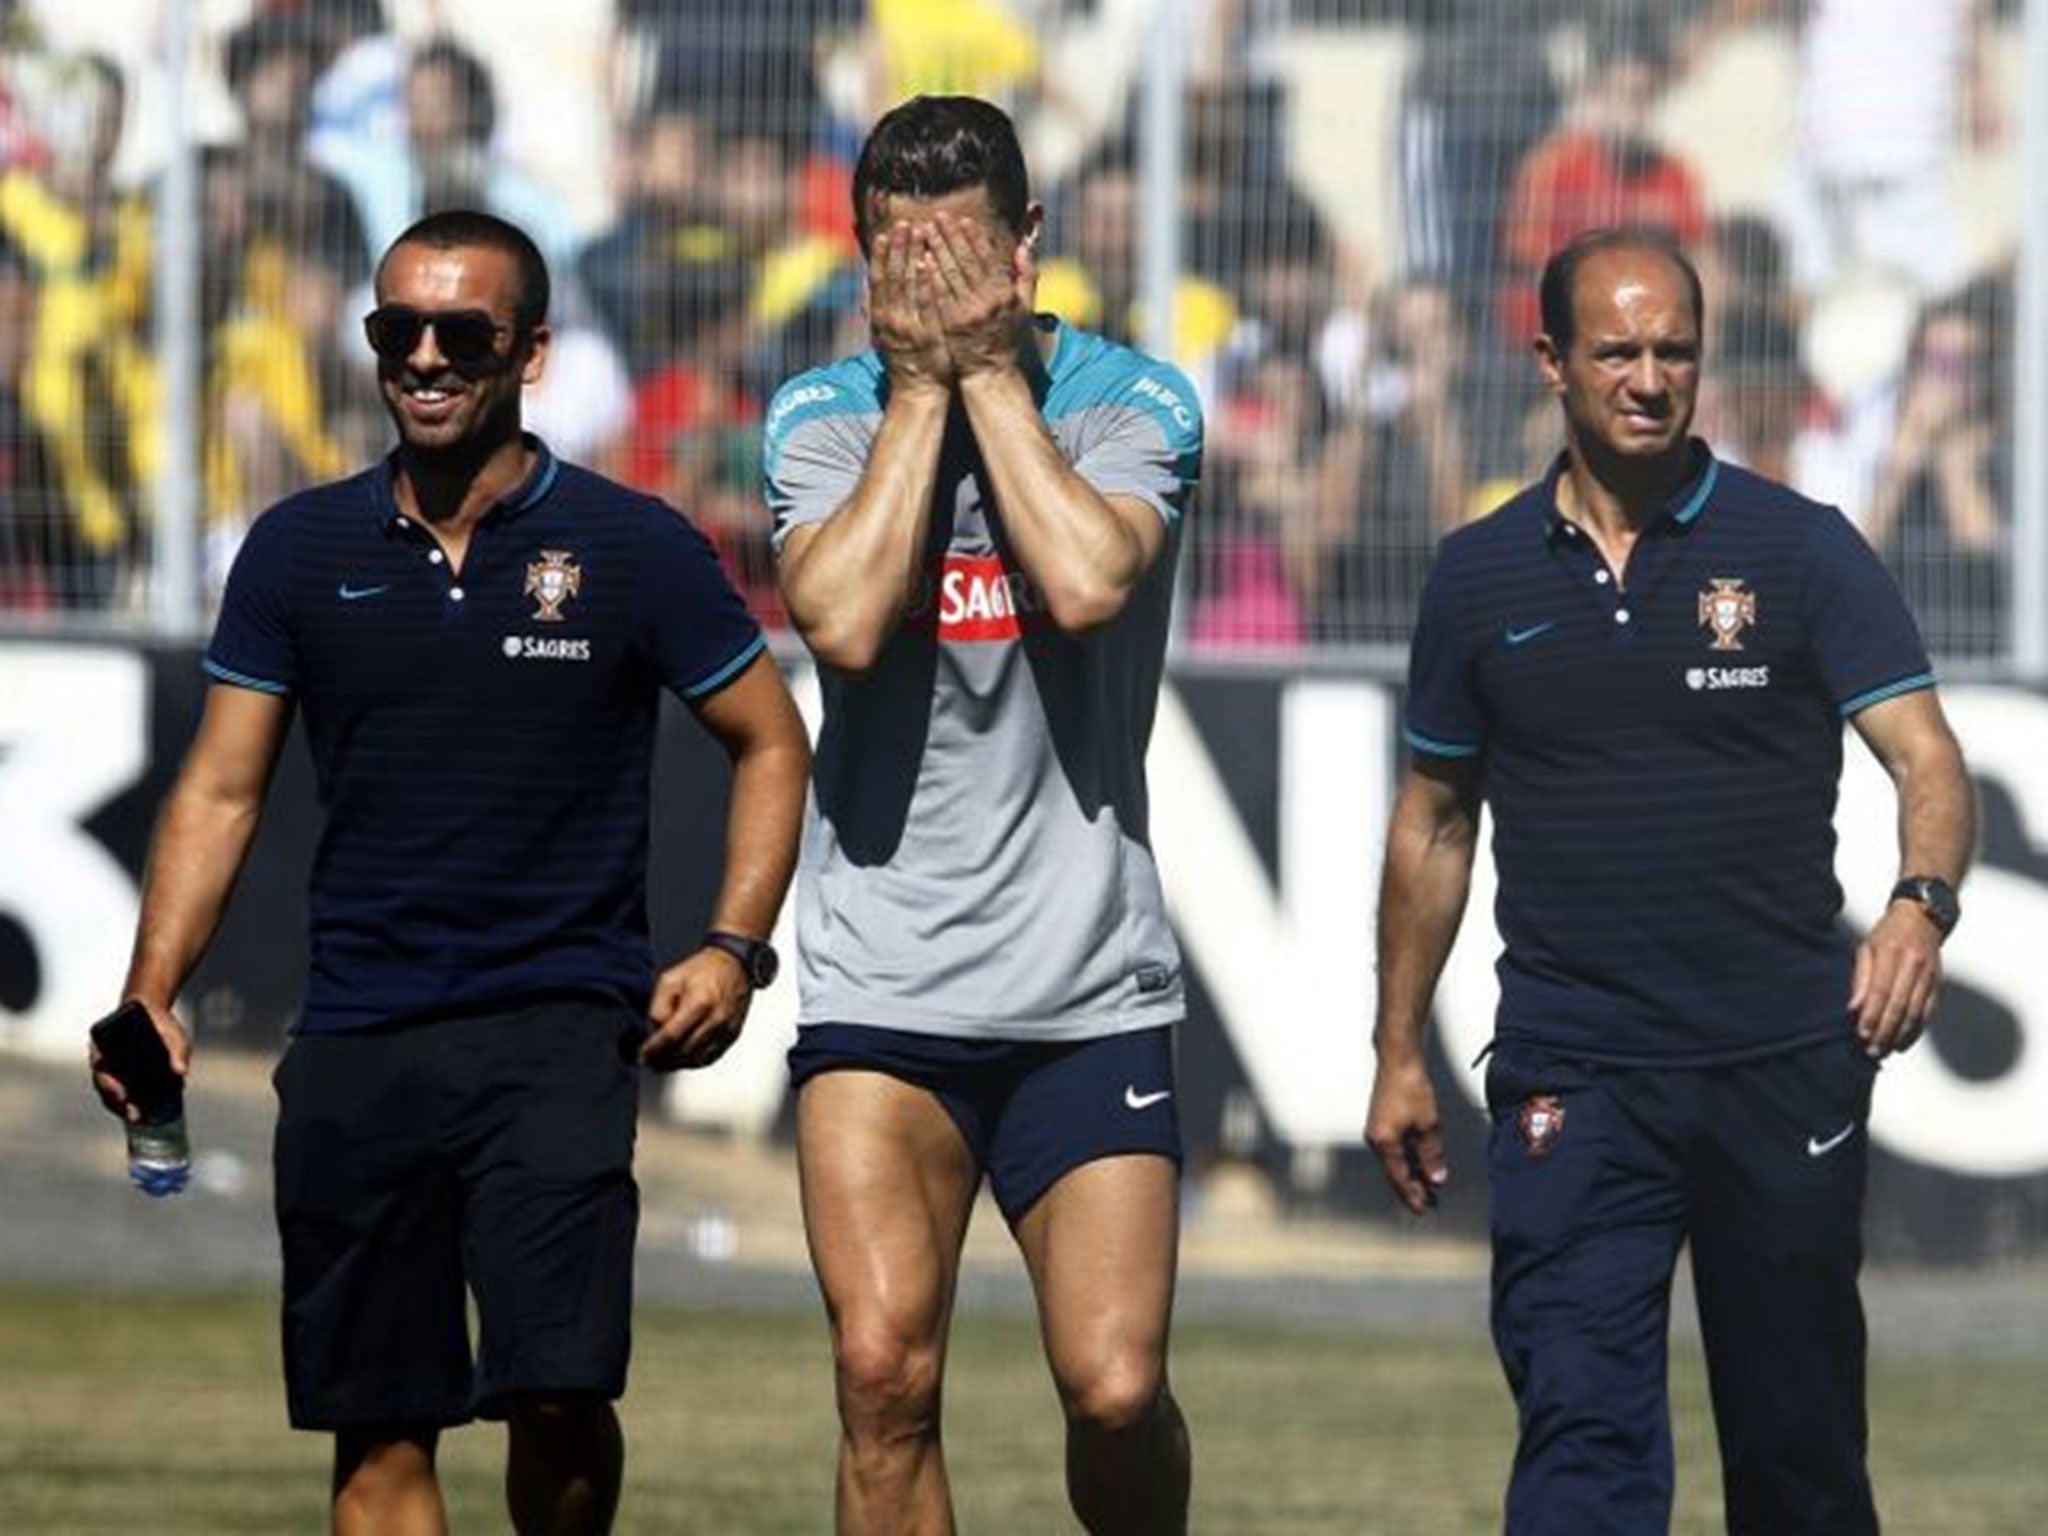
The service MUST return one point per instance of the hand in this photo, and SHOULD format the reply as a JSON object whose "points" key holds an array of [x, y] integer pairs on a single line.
{"points": [[983, 295], [902, 319], [109, 1088], [697, 1011], [1402, 1127], [1898, 974]]}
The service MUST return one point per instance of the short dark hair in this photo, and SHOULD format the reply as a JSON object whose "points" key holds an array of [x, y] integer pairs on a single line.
{"points": [[932, 145], [1560, 274], [459, 228]]}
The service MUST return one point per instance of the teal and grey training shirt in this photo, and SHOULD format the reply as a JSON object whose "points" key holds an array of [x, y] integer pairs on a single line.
{"points": [[976, 856]]}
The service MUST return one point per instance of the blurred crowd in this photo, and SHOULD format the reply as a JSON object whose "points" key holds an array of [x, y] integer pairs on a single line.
{"points": [[1361, 399]]}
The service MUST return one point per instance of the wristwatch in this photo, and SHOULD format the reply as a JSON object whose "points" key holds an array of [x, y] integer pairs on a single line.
{"points": [[757, 957], [1935, 896]]}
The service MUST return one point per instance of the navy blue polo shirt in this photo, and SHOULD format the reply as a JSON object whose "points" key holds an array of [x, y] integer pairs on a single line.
{"points": [[1661, 759], [482, 741]]}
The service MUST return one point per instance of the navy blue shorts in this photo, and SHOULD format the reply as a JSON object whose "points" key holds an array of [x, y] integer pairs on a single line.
{"points": [[1030, 1111], [486, 1155]]}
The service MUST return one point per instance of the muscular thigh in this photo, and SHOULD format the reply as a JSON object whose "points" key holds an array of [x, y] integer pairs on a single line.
{"points": [[888, 1185], [1101, 1246]]}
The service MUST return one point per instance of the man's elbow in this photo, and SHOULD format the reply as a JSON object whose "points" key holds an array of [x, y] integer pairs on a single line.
{"points": [[1086, 602], [850, 648]]}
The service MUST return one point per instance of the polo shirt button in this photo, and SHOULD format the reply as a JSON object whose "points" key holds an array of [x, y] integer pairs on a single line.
{"points": [[455, 594], [435, 556], [1621, 615], [1602, 577]]}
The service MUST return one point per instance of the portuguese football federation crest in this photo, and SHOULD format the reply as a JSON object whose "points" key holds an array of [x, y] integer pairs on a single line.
{"points": [[1539, 1122], [1726, 611], [551, 581]]}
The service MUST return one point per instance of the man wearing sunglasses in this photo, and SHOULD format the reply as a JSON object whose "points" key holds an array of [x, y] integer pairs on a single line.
{"points": [[478, 636]]}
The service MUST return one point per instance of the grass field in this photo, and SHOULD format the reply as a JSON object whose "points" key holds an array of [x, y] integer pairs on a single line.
{"points": [[126, 1414]]}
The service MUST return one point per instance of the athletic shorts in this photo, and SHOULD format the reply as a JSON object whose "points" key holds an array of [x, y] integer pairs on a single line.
{"points": [[485, 1155], [1030, 1111]]}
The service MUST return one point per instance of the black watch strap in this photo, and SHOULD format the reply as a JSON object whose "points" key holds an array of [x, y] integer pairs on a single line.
{"points": [[1934, 896], [757, 957]]}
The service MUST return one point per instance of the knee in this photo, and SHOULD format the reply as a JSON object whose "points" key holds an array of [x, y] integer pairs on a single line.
{"points": [[1115, 1395], [372, 1470], [569, 1417], [888, 1383]]}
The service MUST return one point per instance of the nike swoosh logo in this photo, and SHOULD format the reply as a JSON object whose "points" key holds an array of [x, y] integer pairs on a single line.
{"points": [[1137, 1100], [349, 594], [1815, 1147], [1515, 636]]}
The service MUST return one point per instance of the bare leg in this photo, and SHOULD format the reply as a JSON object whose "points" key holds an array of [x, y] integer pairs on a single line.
{"points": [[384, 1483], [1101, 1246], [563, 1460], [888, 1186]]}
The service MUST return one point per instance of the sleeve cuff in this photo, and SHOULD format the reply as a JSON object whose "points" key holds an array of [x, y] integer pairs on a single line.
{"points": [[714, 681], [1864, 700], [1436, 748], [224, 674]]}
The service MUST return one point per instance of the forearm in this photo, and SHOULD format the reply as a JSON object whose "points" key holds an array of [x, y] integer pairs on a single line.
{"points": [[764, 821], [1937, 813], [1079, 554], [200, 843], [850, 584], [1422, 901]]}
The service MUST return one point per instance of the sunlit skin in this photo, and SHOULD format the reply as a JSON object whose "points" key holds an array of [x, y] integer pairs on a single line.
{"points": [[936, 260], [1628, 382], [433, 405]]}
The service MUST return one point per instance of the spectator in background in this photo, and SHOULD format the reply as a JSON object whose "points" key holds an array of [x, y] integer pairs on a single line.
{"points": [[798, 274], [272, 62], [1255, 556], [359, 96], [446, 159], [90, 382], [1889, 91], [638, 272], [1478, 95], [694, 439], [1294, 298], [36, 532], [1397, 475], [285, 407], [1599, 167], [1936, 513], [1259, 556], [1758, 406], [1096, 286], [1744, 268], [1761, 397]]}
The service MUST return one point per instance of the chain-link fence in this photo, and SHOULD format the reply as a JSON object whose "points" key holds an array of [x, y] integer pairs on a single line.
{"points": [[1365, 189]]}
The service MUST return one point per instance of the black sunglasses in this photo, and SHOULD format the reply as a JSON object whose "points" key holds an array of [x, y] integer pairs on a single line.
{"points": [[468, 338]]}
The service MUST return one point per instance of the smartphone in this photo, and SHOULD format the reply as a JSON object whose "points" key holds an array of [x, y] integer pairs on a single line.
{"points": [[133, 1051]]}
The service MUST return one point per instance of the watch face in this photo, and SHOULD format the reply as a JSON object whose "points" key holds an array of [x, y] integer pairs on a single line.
{"points": [[1941, 903], [1937, 898], [765, 966]]}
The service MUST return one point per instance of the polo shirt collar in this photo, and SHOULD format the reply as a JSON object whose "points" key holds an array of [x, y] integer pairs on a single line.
{"points": [[1682, 510], [529, 493]]}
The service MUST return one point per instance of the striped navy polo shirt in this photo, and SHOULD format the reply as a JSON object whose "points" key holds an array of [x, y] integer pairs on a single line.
{"points": [[482, 741], [1661, 759]]}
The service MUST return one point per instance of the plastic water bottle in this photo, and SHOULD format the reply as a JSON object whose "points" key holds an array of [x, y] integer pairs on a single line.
{"points": [[159, 1151]]}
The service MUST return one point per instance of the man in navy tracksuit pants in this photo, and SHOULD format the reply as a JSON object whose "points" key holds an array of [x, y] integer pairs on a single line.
{"points": [[1642, 664]]}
